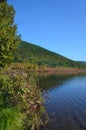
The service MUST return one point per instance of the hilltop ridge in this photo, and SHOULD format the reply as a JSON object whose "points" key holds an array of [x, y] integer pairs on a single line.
{"points": [[41, 56]]}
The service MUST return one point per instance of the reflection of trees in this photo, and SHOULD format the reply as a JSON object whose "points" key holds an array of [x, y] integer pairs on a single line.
{"points": [[49, 81]]}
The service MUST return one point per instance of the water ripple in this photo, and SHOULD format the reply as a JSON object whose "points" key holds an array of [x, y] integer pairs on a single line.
{"points": [[67, 105]]}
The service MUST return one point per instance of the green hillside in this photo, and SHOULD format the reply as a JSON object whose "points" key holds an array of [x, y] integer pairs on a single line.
{"points": [[38, 55]]}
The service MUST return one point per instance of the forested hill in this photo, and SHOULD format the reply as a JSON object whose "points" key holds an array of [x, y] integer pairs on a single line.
{"points": [[38, 55]]}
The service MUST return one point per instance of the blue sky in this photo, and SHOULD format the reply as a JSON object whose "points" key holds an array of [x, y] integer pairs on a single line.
{"points": [[57, 25]]}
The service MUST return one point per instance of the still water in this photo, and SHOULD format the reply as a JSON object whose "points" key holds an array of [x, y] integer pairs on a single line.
{"points": [[66, 105]]}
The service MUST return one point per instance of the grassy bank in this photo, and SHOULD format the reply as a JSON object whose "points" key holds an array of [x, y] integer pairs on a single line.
{"points": [[28, 67]]}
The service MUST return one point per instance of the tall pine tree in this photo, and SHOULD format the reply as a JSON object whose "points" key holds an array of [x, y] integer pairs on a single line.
{"points": [[2, 1], [9, 39]]}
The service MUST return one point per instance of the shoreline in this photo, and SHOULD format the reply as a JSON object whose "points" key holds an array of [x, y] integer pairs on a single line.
{"points": [[22, 69], [62, 70]]}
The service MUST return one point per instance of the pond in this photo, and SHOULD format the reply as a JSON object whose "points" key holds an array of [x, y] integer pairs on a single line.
{"points": [[66, 105]]}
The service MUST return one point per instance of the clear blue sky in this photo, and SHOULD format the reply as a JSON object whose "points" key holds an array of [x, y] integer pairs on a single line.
{"points": [[57, 25]]}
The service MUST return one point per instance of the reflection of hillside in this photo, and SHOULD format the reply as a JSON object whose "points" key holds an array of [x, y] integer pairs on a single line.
{"points": [[49, 81]]}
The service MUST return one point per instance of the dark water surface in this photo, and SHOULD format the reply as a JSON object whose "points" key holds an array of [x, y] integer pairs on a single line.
{"points": [[66, 105]]}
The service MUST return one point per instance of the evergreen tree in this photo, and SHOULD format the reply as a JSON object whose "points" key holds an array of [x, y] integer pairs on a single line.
{"points": [[2, 1], [9, 39]]}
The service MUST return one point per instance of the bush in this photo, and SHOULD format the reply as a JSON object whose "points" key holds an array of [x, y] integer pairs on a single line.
{"points": [[22, 93]]}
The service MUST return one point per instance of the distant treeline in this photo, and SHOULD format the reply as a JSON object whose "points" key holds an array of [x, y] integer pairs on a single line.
{"points": [[43, 57]]}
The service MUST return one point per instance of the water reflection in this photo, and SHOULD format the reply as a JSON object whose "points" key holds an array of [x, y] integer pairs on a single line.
{"points": [[48, 82], [67, 101]]}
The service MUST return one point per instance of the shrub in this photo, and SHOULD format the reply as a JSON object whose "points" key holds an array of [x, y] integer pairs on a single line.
{"points": [[17, 91]]}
